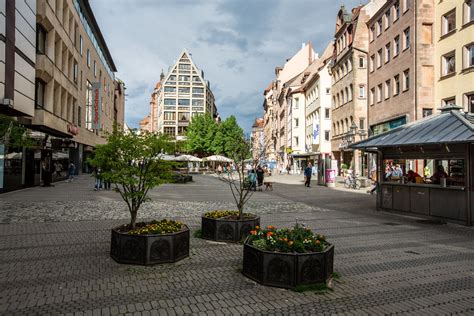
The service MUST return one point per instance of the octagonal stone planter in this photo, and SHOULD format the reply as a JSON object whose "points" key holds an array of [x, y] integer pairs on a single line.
{"points": [[287, 270], [149, 249], [226, 229]]}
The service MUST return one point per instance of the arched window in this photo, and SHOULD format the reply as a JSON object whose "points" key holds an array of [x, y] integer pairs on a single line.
{"points": [[348, 96], [351, 92], [338, 100]]}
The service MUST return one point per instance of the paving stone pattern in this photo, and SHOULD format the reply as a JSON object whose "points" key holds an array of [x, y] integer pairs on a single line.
{"points": [[55, 257]]}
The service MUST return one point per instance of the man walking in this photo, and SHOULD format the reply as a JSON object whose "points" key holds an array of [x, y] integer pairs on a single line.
{"points": [[308, 171]]}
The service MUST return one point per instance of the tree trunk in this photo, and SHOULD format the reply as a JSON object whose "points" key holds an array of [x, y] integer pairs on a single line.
{"points": [[133, 220]]}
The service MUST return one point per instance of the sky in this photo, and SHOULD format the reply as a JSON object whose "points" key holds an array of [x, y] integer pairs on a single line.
{"points": [[237, 43]]}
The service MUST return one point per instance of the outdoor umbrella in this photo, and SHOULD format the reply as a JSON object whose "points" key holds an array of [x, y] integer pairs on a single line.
{"points": [[218, 158], [188, 158]]}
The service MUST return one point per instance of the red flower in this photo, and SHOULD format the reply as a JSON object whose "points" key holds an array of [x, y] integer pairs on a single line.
{"points": [[253, 232]]}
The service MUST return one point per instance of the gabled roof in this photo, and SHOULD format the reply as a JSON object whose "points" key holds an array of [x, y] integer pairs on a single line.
{"points": [[451, 126]]}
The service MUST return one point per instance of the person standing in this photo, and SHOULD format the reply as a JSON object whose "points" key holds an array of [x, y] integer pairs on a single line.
{"points": [[71, 171], [260, 176], [98, 179], [308, 171]]}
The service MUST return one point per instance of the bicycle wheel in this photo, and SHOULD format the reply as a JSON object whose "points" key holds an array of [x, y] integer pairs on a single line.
{"points": [[347, 183], [357, 184]]}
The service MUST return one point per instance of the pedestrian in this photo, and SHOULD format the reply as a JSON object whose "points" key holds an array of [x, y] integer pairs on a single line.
{"points": [[307, 175], [71, 171], [288, 169], [98, 179], [58, 168], [253, 180], [260, 176], [219, 170]]}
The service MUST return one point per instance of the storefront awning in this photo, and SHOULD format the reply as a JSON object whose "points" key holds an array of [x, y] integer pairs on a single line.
{"points": [[449, 127]]}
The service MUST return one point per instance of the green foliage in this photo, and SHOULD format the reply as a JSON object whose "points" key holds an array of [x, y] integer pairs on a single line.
{"points": [[319, 288], [224, 213], [200, 134], [298, 239], [228, 134], [260, 244], [131, 161], [197, 233], [14, 133], [343, 166]]}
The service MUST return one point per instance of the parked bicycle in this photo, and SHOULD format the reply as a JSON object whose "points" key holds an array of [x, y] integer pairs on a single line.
{"points": [[352, 182]]}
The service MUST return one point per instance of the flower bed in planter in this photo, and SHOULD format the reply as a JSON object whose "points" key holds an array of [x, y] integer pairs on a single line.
{"points": [[150, 243], [226, 226], [287, 258]]}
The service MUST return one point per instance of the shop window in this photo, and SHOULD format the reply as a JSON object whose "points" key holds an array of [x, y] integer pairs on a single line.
{"points": [[448, 22]]}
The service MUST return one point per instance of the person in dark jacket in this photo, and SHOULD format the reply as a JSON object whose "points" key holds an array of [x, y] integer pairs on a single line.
{"points": [[308, 172], [260, 176]]}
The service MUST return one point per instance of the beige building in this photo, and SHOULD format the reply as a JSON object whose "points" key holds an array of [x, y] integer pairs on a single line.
{"points": [[454, 53], [349, 83], [178, 96], [257, 138], [401, 64], [269, 124], [76, 97]]}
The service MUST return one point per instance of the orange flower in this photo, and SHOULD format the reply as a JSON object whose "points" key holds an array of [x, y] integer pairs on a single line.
{"points": [[317, 242], [253, 232], [269, 234], [257, 227], [285, 239], [270, 227]]}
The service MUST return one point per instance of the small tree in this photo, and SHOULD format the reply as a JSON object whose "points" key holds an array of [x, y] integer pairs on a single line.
{"points": [[132, 162], [241, 188]]}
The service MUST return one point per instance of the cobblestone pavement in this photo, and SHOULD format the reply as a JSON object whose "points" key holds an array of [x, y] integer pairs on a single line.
{"points": [[54, 261]]}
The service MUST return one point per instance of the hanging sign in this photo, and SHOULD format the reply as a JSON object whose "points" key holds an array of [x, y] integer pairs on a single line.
{"points": [[96, 104]]}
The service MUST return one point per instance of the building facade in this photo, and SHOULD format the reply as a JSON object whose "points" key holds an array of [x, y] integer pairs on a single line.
{"points": [[258, 140], [269, 125], [454, 53], [349, 83], [180, 95], [76, 98], [401, 64]]}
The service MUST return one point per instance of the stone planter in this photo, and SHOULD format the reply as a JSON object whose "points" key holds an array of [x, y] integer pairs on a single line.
{"points": [[287, 270], [149, 249], [225, 229]]}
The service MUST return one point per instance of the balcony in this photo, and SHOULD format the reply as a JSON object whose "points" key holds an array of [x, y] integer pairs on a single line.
{"points": [[44, 68]]}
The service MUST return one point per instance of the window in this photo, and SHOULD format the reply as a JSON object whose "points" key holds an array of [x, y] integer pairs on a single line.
{"points": [[40, 40], [297, 122], [396, 46], [198, 90], [170, 101], [427, 112], [468, 56], [197, 102], [379, 58], [387, 89], [387, 19], [361, 123], [296, 141], [406, 5], [406, 80], [39, 93], [184, 66], [326, 113], [406, 38], [297, 103], [372, 96], [362, 91], [448, 22], [326, 135], [169, 116], [95, 69], [75, 71], [468, 11], [379, 93], [396, 11], [448, 101], [448, 64], [184, 78], [80, 44], [372, 63], [79, 116], [89, 110], [372, 33], [396, 85], [170, 89], [379, 27], [328, 90], [88, 58], [387, 53], [469, 100], [184, 102], [361, 62], [184, 90], [183, 116]]}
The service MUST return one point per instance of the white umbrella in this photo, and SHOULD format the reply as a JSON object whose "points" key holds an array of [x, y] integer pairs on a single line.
{"points": [[166, 157], [218, 158], [188, 158]]}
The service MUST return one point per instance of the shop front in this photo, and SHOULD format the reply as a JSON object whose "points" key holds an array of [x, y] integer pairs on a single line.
{"points": [[426, 168]]}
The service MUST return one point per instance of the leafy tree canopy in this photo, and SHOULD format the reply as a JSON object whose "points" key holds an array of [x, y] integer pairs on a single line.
{"points": [[13, 134], [132, 162], [200, 134]]}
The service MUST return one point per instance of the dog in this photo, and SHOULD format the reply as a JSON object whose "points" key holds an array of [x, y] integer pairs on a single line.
{"points": [[268, 186]]}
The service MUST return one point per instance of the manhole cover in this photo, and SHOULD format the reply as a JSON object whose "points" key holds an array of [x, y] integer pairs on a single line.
{"points": [[392, 224], [431, 222]]}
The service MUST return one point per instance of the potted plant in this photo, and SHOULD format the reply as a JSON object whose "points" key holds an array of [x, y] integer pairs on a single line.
{"points": [[287, 258], [233, 226], [131, 161]]}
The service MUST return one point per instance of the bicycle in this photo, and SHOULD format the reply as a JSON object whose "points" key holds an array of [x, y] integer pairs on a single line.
{"points": [[352, 182]]}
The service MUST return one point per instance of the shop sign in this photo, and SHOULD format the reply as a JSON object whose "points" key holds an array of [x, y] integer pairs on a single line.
{"points": [[315, 132], [96, 104], [386, 126], [72, 129]]}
